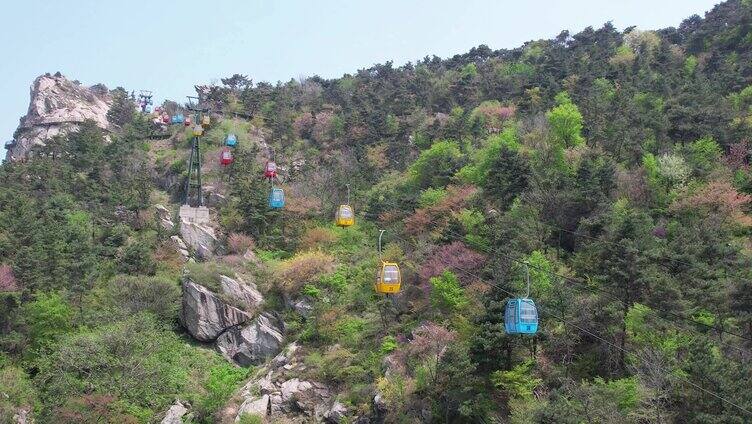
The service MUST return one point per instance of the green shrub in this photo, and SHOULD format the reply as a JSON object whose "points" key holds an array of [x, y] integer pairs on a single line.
{"points": [[125, 295], [16, 391], [208, 274], [565, 121], [447, 293], [517, 382], [388, 344], [431, 196], [704, 155], [47, 318], [136, 258], [336, 280], [292, 274], [311, 291], [246, 418], [435, 166], [222, 381]]}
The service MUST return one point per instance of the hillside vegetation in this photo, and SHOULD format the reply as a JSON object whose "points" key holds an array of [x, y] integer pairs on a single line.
{"points": [[615, 164]]}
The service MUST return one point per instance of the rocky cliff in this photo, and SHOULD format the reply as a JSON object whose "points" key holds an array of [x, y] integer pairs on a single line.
{"points": [[58, 105]]}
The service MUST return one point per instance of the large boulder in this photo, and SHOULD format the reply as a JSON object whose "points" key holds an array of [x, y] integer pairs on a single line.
{"points": [[244, 293], [180, 245], [205, 315], [58, 106], [254, 406], [22, 416], [279, 393], [336, 413], [164, 216], [199, 236], [175, 414], [252, 344]]}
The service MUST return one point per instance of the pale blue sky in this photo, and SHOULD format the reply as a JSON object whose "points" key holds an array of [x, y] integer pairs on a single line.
{"points": [[169, 46]]}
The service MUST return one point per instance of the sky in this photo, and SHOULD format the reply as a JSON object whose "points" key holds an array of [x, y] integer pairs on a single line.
{"points": [[167, 46]]}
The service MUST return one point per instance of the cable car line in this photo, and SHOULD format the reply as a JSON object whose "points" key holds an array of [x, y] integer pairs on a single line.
{"points": [[695, 385], [612, 294], [672, 323], [704, 390]]}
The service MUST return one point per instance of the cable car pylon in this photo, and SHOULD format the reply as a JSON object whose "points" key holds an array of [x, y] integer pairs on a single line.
{"points": [[194, 163]]}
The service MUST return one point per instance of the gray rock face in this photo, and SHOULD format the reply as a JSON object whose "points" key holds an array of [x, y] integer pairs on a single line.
{"points": [[58, 106], [205, 315], [279, 394], [245, 293], [253, 343], [175, 414], [180, 245], [164, 217], [336, 413], [254, 406], [302, 305], [22, 416], [200, 237]]}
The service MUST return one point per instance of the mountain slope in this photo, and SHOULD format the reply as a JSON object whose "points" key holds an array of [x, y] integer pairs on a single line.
{"points": [[613, 166]]}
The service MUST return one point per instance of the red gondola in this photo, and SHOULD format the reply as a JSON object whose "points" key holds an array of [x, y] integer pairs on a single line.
{"points": [[187, 121], [270, 170], [165, 119], [225, 158]]}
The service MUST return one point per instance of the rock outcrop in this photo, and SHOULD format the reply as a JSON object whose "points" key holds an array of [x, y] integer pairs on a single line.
{"points": [[245, 293], [58, 106], [164, 217], [254, 343], [279, 393], [205, 315], [175, 414], [200, 237]]}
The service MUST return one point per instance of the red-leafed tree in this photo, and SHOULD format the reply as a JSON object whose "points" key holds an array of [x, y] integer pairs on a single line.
{"points": [[437, 215], [718, 198], [8, 282], [738, 155], [455, 257]]}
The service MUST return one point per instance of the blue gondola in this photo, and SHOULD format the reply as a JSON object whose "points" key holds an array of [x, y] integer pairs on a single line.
{"points": [[147, 109], [521, 315], [277, 198], [178, 119], [231, 140]]}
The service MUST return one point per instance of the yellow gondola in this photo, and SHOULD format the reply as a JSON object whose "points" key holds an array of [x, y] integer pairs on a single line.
{"points": [[205, 121], [198, 131], [344, 216], [389, 278]]}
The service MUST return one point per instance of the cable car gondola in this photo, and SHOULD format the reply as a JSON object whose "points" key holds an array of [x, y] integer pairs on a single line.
{"points": [[198, 130], [521, 315], [205, 121], [231, 140], [344, 217], [388, 277], [270, 170], [225, 158], [277, 198], [178, 118], [187, 121], [165, 119]]}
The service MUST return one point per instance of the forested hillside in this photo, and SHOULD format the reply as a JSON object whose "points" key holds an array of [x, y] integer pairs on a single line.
{"points": [[614, 165]]}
